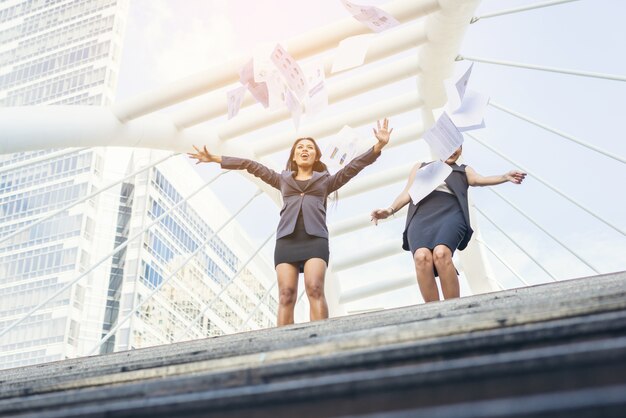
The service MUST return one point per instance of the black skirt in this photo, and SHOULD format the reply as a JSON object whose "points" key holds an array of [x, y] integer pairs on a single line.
{"points": [[438, 220], [298, 247]]}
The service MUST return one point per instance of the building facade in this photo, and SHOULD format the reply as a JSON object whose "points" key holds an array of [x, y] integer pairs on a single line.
{"points": [[67, 52]]}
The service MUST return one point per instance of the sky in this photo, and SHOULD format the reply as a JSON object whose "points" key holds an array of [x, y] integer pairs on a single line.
{"points": [[167, 40]]}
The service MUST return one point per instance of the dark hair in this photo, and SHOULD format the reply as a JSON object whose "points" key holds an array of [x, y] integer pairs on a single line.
{"points": [[318, 165]]}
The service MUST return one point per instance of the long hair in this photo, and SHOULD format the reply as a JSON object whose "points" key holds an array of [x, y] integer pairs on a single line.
{"points": [[318, 165]]}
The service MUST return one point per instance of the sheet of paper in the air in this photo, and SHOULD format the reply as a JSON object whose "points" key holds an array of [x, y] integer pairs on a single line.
{"points": [[258, 90], [427, 179], [466, 108], [317, 97], [443, 137], [351, 52], [234, 99], [374, 18], [342, 148], [291, 71]]}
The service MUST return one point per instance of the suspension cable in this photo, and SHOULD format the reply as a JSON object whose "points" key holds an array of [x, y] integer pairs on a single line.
{"points": [[258, 305], [507, 265], [208, 306], [106, 257], [543, 68], [520, 9], [514, 242], [557, 132], [171, 275], [81, 200], [548, 185]]}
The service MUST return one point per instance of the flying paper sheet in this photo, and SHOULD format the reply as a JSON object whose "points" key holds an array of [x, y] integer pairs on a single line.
{"points": [[351, 52], [374, 18], [317, 98], [290, 69], [258, 90], [276, 89], [235, 98], [427, 179], [342, 148], [443, 138], [471, 113]]}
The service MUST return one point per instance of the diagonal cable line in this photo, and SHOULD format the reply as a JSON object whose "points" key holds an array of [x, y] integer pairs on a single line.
{"points": [[504, 263], [172, 274], [613, 77], [258, 305], [548, 185], [557, 132], [514, 242], [520, 9], [41, 159], [106, 257], [83, 199], [525, 215], [231, 281]]}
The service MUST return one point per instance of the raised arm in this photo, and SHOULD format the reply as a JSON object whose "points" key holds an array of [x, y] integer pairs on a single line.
{"points": [[475, 179], [266, 174], [399, 202], [353, 168]]}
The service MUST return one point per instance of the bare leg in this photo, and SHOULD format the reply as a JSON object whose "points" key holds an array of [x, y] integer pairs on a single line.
{"points": [[287, 275], [442, 257], [314, 273], [423, 259]]}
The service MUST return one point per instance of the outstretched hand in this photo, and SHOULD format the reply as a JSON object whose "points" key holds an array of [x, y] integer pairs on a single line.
{"points": [[382, 134], [203, 156], [379, 214], [515, 176]]}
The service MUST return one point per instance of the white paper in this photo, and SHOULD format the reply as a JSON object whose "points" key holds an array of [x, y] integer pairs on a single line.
{"points": [[234, 99], [471, 114], [258, 90], [291, 71], [276, 89], [374, 18], [443, 138], [317, 98], [427, 179], [351, 52], [461, 84], [377, 19], [263, 65], [342, 148], [294, 106]]}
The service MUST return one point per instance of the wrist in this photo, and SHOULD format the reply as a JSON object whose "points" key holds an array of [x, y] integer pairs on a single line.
{"points": [[391, 210]]}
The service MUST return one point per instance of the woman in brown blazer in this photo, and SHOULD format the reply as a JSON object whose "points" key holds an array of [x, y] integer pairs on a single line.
{"points": [[302, 235]]}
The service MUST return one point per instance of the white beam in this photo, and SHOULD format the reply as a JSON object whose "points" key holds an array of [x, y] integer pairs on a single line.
{"points": [[368, 254], [379, 287], [382, 46], [332, 125], [358, 222], [310, 43], [376, 180], [259, 117]]}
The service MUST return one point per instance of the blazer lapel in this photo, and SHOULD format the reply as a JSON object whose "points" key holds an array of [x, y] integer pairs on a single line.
{"points": [[316, 176], [288, 178]]}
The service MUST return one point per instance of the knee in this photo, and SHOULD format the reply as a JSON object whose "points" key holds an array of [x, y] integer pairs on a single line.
{"points": [[287, 296], [315, 290], [442, 254], [423, 258]]}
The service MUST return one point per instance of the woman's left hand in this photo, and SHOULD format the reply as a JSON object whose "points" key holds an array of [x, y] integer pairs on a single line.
{"points": [[515, 176], [382, 134]]}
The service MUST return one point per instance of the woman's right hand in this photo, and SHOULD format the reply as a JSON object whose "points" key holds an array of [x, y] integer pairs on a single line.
{"points": [[204, 156], [379, 214]]}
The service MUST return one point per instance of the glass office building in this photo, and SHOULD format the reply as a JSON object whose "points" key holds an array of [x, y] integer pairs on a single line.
{"points": [[67, 52]]}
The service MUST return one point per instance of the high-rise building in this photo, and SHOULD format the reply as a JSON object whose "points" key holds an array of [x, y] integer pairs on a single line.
{"points": [[67, 52]]}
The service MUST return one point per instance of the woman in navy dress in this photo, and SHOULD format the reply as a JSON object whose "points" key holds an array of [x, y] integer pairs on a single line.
{"points": [[439, 224]]}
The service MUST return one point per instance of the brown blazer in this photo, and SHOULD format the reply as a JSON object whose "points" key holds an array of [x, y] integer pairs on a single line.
{"points": [[312, 199]]}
